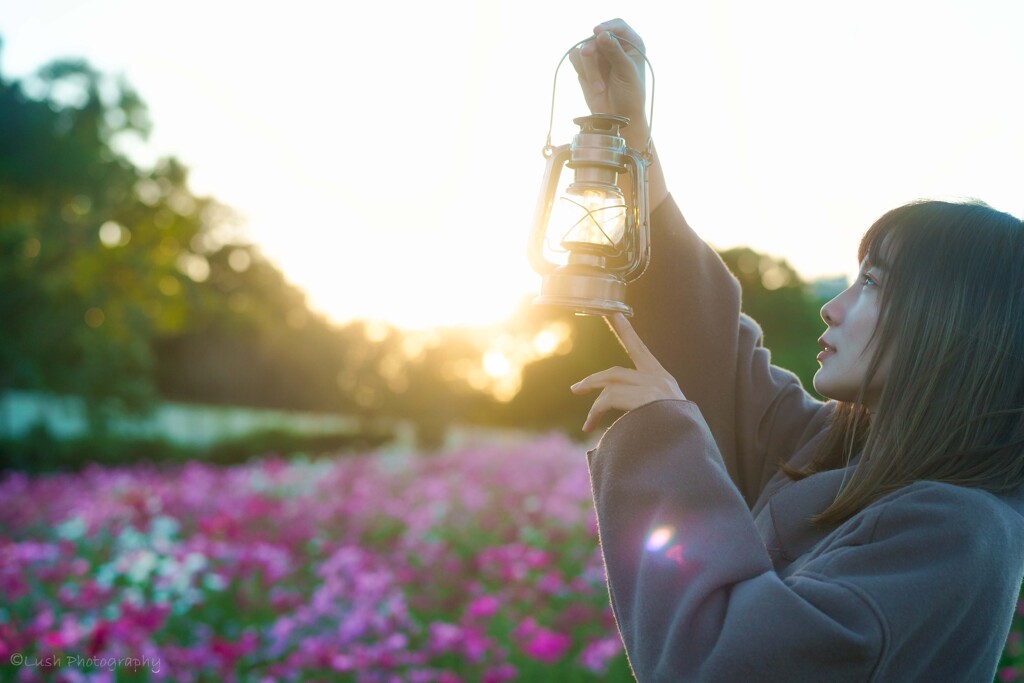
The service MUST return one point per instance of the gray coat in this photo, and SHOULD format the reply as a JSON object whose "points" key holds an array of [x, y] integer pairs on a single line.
{"points": [[713, 570]]}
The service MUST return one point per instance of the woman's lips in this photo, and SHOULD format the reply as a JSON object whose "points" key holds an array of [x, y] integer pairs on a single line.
{"points": [[826, 350]]}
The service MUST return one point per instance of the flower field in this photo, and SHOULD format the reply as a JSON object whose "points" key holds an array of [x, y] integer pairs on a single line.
{"points": [[477, 565], [474, 565]]}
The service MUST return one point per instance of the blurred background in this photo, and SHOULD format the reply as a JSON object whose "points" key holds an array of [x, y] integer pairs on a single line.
{"points": [[325, 210], [258, 260]]}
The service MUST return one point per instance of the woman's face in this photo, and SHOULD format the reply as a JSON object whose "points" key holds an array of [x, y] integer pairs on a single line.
{"points": [[847, 345]]}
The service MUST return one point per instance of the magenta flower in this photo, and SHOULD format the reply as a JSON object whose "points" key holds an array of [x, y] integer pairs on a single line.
{"points": [[343, 663], [483, 606], [444, 637], [526, 629], [540, 643], [475, 645], [596, 655], [547, 646], [500, 674]]}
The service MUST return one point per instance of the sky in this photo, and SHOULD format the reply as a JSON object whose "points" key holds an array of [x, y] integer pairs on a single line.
{"points": [[387, 156]]}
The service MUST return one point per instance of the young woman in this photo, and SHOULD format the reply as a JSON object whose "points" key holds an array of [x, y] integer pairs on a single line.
{"points": [[752, 533]]}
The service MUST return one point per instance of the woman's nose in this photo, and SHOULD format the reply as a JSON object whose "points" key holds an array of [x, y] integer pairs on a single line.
{"points": [[830, 312]]}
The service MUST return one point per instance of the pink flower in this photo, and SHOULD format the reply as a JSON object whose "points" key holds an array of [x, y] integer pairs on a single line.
{"points": [[475, 645], [597, 654], [551, 583], [100, 634], [444, 637], [536, 558], [500, 674], [147, 617], [484, 606], [420, 676], [547, 646], [342, 663], [53, 640], [13, 586], [526, 629], [44, 620]]}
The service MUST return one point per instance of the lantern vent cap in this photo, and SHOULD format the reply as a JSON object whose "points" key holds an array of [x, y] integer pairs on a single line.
{"points": [[604, 124]]}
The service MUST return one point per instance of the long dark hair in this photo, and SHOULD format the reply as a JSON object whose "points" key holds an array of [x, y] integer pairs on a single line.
{"points": [[952, 318]]}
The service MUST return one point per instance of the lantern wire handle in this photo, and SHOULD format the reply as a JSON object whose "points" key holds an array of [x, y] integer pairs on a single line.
{"points": [[548, 148]]}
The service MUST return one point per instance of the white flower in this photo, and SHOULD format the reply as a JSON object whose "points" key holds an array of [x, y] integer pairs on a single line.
{"points": [[72, 529], [143, 564]]}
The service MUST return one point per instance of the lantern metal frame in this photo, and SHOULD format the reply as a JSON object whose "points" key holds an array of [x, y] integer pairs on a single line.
{"points": [[593, 281]]}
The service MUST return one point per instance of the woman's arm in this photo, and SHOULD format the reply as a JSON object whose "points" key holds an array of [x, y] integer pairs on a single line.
{"points": [[687, 311], [920, 586], [687, 305]]}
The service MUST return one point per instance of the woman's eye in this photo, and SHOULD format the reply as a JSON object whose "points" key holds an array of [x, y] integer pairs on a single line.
{"points": [[868, 280]]}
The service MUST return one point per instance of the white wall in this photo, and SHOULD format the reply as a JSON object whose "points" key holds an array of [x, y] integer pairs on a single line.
{"points": [[184, 424]]}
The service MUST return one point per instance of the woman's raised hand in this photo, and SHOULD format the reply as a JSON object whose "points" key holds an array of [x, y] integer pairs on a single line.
{"points": [[611, 74], [625, 388]]}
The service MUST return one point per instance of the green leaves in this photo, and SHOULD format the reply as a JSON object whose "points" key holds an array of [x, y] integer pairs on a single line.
{"points": [[80, 312]]}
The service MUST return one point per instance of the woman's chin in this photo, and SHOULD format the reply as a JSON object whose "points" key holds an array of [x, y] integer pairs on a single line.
{"points": [[828, 389], [820, 384]]}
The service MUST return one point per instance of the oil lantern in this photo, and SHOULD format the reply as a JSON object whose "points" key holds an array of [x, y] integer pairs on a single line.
{"points": [[593, 238]]}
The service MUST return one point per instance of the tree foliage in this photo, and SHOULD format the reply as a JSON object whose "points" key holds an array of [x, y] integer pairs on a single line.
{"points": [[90, 243], [783, 305]]}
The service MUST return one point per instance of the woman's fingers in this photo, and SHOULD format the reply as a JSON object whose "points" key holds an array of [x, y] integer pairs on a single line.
{"points": [[621, 29], [614, 52], [614, 397], [603, 378], [626, 388], [638, 352], [590, 58], [611, 73], [587, 62], [597, 411]]}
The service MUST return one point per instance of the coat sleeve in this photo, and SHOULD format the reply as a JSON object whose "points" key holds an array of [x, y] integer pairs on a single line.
{"points": [[687, 311], [696, 598]]}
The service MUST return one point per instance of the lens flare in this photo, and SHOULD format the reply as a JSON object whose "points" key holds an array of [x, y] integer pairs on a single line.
{"points": [[659, 538]]}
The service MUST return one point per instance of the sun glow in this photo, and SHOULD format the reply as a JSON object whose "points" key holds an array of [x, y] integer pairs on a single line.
{"points": [[505, 354], [496, 364], [409, 200]]}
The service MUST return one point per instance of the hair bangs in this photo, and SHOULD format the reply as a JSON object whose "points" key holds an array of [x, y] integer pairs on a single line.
{"points": [[885, 238]]}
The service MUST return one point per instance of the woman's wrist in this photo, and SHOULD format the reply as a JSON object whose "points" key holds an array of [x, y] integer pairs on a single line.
{"points": [[637, 136]]}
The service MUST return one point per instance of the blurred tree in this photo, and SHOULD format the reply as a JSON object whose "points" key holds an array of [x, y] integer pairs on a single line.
{"points": [[783, 305], [80, 305], [250, 339]]}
